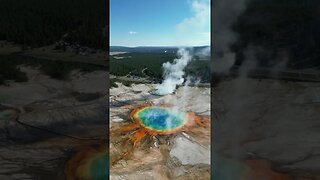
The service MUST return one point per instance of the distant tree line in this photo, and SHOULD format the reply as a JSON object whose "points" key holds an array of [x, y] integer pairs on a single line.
{"points": [[38, 23], [134, 64]]}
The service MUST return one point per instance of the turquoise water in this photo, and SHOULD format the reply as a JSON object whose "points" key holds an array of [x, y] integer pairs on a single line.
{"points": [[161, 118], [99, 167]]}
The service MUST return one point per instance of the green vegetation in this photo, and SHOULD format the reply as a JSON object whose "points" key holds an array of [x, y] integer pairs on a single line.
{"points": [[125, 83], [134, 63], [113, 83], [37, 23], [199, 69], [55, 69]]}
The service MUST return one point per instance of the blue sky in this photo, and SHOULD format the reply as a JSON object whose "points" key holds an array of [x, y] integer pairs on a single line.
{"points": [[159, 22]]}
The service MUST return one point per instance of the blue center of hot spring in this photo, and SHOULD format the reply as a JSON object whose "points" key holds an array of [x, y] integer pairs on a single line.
{"points": [[162, 119]]}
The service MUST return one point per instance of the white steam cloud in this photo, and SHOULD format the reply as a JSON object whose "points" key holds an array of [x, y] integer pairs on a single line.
{"points": [[200, 20], [173, 73], [201, 16], [225, 14], [204, 52]]}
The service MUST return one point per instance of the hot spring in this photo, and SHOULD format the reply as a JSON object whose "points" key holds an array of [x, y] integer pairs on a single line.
{"points": [[89, 163], [160, 119], [99, 167]]}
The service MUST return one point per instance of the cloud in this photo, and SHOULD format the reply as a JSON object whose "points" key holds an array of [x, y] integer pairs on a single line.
{"points": [[132, 32], [205, 34], [195, 30], [201, 17]]}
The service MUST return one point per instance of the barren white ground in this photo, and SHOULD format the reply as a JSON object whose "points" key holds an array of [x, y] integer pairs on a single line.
{"points": [[269, 119], [179, 156], [29, 153]]}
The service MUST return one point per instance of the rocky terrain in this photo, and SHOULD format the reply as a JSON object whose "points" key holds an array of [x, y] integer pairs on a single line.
{"points": [[44, 121], [184, 155], [271, 121]]}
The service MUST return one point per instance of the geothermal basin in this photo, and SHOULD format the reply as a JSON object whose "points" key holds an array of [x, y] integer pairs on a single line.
{"points": [[159, 119], [169, 144]]}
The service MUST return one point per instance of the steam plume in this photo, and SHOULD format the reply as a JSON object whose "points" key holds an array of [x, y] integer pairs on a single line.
{"points": [[174, 72], [225, 13]]}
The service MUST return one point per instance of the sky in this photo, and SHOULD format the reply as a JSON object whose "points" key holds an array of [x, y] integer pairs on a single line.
{"points": [[159, 23]]}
